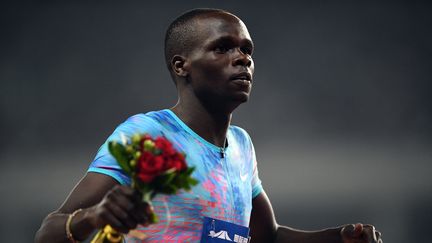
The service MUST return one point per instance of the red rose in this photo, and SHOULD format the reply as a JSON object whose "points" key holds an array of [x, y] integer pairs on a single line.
{"points": [[149, 166], [144, 158], [178, 165], [158, 163], [146, 178], [180, 161], [164, 145], [152, 165]]}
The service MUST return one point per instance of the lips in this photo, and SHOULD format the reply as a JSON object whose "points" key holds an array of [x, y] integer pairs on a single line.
{"points": [[242, 76]]}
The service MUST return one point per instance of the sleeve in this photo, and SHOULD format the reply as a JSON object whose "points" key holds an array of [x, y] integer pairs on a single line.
{"points": [[105, 163], [256, 181]]}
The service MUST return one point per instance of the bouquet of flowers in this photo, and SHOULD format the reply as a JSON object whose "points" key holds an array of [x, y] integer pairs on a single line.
{"points": [[154, 166]]}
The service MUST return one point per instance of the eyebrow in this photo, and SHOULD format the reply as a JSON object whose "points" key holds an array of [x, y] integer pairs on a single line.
{"points": [[230, 39]]}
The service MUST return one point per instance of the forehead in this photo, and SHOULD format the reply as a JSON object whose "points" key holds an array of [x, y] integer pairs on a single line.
{"points": [[211, 27]]}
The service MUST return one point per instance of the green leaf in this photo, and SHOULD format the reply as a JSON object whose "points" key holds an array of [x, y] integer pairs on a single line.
{"points": [[158, 151], [189, 171], [153, 218], [144, 187], [169, 189], [192, 181], [118, 151], [165, 179], [187, 187], [147, 196]]}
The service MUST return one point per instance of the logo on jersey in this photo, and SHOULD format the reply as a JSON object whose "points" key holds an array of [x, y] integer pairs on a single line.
{"points": [[224, 235], [243, 177], [221, 235]]}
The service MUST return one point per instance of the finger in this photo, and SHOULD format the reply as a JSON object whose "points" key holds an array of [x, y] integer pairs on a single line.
{"points": [[357, 231], [143, 211], [149, 208], [123, 216], [133, 196], [369, 233], [130, 201], [123, 200], [124, 190], [139, 214], [137, 196], [352, 230], [133, 205], [114, 222], [378, 236], [120, 206]]}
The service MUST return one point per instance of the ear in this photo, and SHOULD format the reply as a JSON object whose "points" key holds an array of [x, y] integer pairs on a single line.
{"points": [[179, 65]]}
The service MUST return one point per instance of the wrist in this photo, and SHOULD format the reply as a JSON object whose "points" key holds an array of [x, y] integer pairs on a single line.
{"points": [[68, 229], [332, 235], [338, 233], [81, 225]]}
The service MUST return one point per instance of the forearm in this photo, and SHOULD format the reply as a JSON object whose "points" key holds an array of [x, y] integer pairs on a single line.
{"points": [[53, 228], [289, 235]]}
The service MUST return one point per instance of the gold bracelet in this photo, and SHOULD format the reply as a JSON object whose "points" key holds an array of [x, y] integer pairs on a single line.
{"points": [[68, 225]]}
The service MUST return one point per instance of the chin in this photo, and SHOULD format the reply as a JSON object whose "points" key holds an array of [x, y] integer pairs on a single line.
{"points": [[242, 98]]}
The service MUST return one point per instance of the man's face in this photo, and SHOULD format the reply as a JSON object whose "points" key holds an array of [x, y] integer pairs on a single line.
{"points": [[221, 65]]}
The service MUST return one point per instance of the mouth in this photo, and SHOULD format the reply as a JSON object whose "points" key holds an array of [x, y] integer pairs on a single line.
{"points": [[243, 76]]}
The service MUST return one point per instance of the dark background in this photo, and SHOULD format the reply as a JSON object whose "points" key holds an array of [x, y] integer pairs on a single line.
{"points": [[340, 112]]}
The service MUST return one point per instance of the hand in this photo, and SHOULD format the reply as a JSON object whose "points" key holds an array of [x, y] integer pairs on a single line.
{"points": [[360, 233], [122, 208]]}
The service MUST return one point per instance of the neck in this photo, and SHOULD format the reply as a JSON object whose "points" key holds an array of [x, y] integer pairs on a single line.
{"points": [[209, 124]]}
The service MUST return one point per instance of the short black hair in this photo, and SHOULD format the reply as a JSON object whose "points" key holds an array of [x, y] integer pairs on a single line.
{"points": [[179, 37]]}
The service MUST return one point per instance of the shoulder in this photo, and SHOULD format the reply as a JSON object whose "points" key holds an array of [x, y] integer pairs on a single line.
{"points": [[149, 122], [150, 117], [240, 135], [239, 132]]}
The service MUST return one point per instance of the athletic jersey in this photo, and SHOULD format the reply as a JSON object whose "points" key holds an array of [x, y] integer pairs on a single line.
{"points": [[228, 179]]}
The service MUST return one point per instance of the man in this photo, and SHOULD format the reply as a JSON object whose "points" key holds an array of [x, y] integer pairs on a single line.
{"points": [[209, 56]]}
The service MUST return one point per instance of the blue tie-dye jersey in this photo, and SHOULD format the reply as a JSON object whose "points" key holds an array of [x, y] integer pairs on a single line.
{"points": [[227, 185]]}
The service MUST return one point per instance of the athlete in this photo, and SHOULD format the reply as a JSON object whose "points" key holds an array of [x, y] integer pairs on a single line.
{"points": [[209, 56]]}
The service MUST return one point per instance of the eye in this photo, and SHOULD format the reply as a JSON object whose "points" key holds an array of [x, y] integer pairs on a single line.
{"points": [[222, 49], [247, 50]]}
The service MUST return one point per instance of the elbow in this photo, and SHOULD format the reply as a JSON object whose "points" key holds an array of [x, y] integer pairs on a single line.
{"points": [[44, 232], [276, 232], [41, 235]]}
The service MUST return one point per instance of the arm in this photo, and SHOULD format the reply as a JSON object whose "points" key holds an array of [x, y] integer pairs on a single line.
{"points": [[265, 229], [103, 202]]}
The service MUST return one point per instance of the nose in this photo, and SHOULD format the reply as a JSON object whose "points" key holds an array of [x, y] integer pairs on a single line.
{"points": [[242, 59]]}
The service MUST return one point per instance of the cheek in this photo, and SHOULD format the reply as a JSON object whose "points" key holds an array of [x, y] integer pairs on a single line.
{"points": [[212, 68]]}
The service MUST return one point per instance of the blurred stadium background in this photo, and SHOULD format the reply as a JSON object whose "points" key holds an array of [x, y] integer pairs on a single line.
{"points": [[340, 112]]}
